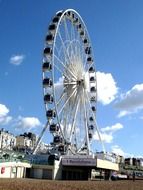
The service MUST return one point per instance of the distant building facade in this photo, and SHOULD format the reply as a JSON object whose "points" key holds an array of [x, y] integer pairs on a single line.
{"points": [[26, 141], [7, 140]]}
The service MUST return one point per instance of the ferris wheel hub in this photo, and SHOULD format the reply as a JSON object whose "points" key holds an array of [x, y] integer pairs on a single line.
{"points": [[80, 82]]}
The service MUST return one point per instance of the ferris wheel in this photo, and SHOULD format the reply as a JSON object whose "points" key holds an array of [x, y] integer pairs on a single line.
{"points": [[69, 85]]}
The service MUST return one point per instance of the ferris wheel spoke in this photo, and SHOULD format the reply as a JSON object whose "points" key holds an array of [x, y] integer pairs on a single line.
{"points": [[73, 36], [83, 56], [55, 65], [67, 69], [64, 118], [70, 83], [68, 99], [79, 50], [77, 124], [78, 43], [74, 119], [71, 50], [76, 48], [72, 32], [60, 99], [64, 48], [62, 72], [97, 129], [66, 30], [85, 61]]}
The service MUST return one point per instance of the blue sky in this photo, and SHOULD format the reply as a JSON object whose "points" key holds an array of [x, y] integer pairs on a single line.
{"points": [[115, 28]]}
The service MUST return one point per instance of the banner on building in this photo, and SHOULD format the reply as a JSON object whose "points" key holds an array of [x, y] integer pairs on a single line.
{"points": [[78, 162]]}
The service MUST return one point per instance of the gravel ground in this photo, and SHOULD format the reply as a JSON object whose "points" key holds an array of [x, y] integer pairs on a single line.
{"points": [[33, 184]]}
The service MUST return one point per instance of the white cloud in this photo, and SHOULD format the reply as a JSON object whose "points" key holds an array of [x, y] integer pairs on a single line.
{"points": [[119, 151], [106, 88], [131, 101], [4, 118], [59, 82], [24, 123], [17, 59], [107, 138], [3, 110], [27, 123], [112, 128], [108, 132]]}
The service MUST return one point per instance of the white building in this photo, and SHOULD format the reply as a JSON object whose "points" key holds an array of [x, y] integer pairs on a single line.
{"points": [[7, 140], [141, 162]]}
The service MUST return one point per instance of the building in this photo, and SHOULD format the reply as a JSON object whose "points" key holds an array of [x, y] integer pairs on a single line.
{"points": [[22, 142], [120, 159], [107, 156], [133, 161], [14, 169], [141, 162], [7, 140], [25, 141]]}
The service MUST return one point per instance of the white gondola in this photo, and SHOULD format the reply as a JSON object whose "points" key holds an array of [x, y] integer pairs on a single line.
{"points": [[93, 108], [90, 136], [56, 19], [93, 89], [48, 98], [79, 28], [92, 79], [82, 34], [91, 119], [49, 39], [48, 52], [91, 128], [88, 50], [91, 70], [59, 13], [76, 21], [47, 82], [89, 60], [70, 15], [93, 99], [52, 28], [54, 128], [57, 139], [50, 114], [47, 66], [85, 42]]}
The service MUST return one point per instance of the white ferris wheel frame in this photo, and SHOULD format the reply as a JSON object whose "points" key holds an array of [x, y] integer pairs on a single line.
{"points": [[68, 146]]}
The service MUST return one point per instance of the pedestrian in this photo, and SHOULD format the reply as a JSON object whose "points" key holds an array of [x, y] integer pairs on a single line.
{"points": [[134, 175], [100, 174]]}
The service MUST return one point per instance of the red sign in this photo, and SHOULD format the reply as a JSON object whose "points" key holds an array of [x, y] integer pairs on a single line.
{"points": [[2, 170]]}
